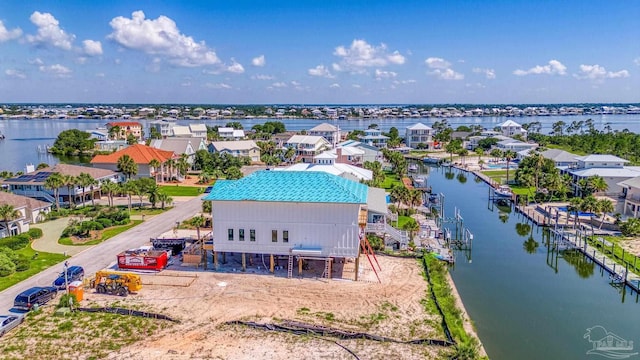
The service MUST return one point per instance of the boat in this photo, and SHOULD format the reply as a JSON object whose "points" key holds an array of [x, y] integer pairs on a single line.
{"points": [[419, 181], [1, 136], [413, 168], [503, 191], [430, 160]]}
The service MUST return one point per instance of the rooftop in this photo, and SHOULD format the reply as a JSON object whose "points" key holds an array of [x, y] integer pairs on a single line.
{"points": [[601, 158], [141, 154], [290, 186]]}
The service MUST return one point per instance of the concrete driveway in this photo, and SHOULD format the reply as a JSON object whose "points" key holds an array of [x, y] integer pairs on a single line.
{"points": [[102, 255], [51, 231]]}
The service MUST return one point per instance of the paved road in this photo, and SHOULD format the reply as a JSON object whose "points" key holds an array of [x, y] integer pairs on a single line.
{"points": [[101, 255]]}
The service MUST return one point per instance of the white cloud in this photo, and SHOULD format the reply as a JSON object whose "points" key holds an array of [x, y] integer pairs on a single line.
{"points": [[361, 55], [442, 69], [6, 35], [218, 86], [100, 74], [488, 73], [404, 82], [92, 47], [380, 74], [295, 83], [81, 60], [258, 61], [17, 74], [320, 71], [263, 77], [437, 63], [597, 72], [279, 84], [637, 61], [49, 31], [553, 67], [36, 61], [235, 67], [357, 86], [161, 37], [155, 65], [334, 85], [57, 70]]}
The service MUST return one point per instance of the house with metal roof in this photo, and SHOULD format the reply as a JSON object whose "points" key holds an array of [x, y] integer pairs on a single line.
{"points": [[631, 195], [229, 133], [330, 132], [307, 146], [515, 145], [295, 215], [418, 134], [180, 146], [31, 211], [31, 184], [327, 162], [370, 152], [611, 168], [375, 138], [512, 128], [239, 148], [562, 159]]}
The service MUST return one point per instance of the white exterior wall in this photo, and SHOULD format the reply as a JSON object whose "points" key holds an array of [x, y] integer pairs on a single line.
{"points": [[332, 227]]}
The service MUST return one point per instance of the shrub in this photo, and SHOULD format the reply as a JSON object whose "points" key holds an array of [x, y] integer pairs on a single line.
{"points": [[35, 233], [105, 222], [7, 267], [22, 264], [15, 242]]}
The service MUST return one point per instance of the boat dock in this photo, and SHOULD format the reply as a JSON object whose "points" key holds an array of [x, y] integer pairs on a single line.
{"points": [[576, 240]]}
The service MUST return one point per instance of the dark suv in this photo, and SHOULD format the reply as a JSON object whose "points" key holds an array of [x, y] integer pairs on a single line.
{"points": [[74, 273], [36, 295]]}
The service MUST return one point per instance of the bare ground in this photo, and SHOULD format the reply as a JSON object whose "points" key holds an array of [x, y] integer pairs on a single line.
{"points": [[392, 309]]}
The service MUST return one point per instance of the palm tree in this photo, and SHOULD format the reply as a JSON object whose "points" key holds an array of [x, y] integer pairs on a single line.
{"points": [[70, 182], [574, 206], [198, 222], [129, 188], [54, 182], [85, 180], [605, 206], [289, 154], [496, 154], [399, 193], [597, 184], [183, 165], [508, 156], [171, 164], [8, 213], [152, 194], [164, 199], [127, 166], [114, 132], [480, 151], [155, 164], [109, 188], [415, 198], [412, 227]]}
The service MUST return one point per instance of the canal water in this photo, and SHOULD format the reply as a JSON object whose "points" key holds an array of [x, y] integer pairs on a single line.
{"points": [[527, 303]]}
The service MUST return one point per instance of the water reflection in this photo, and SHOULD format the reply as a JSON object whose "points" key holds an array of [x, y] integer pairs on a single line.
{"points": [[583, 266]]}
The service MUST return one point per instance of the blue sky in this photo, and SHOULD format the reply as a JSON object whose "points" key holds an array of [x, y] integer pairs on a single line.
{"points": [[332, 51]]}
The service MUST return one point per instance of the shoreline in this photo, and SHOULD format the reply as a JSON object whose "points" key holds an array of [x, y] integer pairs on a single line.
{"points": [[467, 322]]}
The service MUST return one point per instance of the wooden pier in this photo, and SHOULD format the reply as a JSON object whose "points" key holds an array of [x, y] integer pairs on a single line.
{"points": [[576, 240]]}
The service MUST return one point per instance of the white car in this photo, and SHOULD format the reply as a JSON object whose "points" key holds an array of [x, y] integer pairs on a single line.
{"points": [[8, 322]]}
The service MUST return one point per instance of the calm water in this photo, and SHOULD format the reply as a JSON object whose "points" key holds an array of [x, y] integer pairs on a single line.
{"points": [[523, 306], [24, 136]]}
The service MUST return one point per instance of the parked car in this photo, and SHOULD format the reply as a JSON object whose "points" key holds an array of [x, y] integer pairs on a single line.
{"points": [[208, 189], [8, 322], [35, 295], [74, 273]]}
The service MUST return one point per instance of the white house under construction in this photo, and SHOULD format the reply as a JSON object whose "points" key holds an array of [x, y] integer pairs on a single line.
{"points": [[291, 214]]}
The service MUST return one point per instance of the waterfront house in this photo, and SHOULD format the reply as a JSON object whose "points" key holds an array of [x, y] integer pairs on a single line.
{"points": [[369, 153], [229, 133], [515, 145], [126, 128], [180, 146], [562, 159], [631, 195], [348, 155], [418, 134], [307, 146], [375, 138], [330, 132], [110, 145], [142, 155], [611, 168], [191, 130], [305, 216], [327, 162], [32, 184], [511, 128], [163, 127], [31, 211], [240, 148]]}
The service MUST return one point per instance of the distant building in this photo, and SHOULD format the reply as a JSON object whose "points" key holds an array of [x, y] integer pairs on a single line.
{"points": [[515, 145], [375, 138], [228, 133], [240, 148], [180, 146], [142, 155], [418, 134], [126, 128], [511, 128], [330, 132], [611, 168]]}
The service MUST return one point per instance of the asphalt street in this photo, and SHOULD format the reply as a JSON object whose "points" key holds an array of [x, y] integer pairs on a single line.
{"points": [[100, 256]]}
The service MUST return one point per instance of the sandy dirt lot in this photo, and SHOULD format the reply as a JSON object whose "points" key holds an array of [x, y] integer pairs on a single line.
{"points": [[204, 304]]}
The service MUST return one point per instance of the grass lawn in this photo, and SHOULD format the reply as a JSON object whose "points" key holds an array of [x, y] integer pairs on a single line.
{"points": [[181, 190], [106, 234], [42, 261], [566, 148], [147, 211], [402, 220], [390, 181]]}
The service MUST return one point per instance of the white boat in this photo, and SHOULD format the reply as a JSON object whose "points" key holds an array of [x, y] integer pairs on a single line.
{"points": [[503, 191], [430, 160], [413, 168]]}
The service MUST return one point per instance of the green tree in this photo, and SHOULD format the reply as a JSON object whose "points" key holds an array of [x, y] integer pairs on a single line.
{"points": [[129, 188], [509, 155], [234, 173], [110, 188], [132, 139], [597, 184], [631, 227], [412, 227], [154, 133], [114, 132], [164, 199], [72, 142], [127, 166], [603, 207], [155, 165], [85, 180], [42, 166], [70, 182], [54, 182], [8, 213]]}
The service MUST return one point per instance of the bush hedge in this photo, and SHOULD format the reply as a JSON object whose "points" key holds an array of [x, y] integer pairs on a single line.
{"points": [[35, 233], [15, 242]]}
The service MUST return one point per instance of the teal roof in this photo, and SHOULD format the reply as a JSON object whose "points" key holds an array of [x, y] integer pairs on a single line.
{"points": [[290, 186]]}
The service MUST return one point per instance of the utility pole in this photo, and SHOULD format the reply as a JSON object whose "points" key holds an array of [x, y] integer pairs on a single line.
{"points": [[66, 279]]}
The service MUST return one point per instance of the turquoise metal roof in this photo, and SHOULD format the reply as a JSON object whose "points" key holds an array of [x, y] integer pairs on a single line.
{"points": [[290, 186]]}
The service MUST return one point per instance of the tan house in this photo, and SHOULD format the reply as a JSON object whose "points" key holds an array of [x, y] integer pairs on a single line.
{"points": [[244, 148], [126, 128], [31, 211]]}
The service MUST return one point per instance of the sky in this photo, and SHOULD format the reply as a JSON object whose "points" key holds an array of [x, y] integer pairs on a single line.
{"points": [[320, 52]]}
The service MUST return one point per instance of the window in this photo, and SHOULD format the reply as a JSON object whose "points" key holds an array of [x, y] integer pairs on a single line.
{"points": [[274, 235], [252, 235], [230, 231], [241, 234], [285, 236]]}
